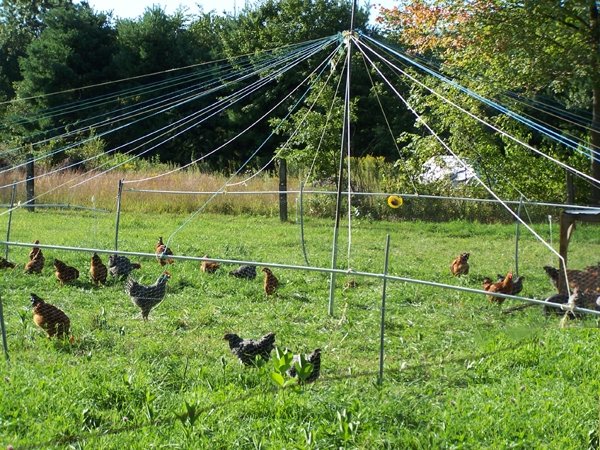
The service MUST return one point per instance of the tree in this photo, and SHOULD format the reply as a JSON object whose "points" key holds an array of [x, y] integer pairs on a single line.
{"points": [[530, 47], [74, 50], [20, 22]]}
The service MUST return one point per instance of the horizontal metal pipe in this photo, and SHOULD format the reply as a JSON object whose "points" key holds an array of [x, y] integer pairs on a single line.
{"points": [[380, 194], [306, 268]]}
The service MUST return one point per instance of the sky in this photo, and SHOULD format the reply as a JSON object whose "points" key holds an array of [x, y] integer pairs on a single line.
{"points": [[134, 8]]}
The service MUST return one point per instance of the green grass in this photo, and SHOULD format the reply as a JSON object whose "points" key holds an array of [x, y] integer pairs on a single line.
{"points": [[458, 372]]}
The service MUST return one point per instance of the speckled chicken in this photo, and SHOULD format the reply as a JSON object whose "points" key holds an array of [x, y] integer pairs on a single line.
{"points": [[120, 266], [147, 297], [36, 260], [6, 264], [586, 280], [248, 272], [517, 283], [460, 265], [271, 282], [314, 359], [248, 349], [163, 252], [209, 266], [98, 271], [64, 273], [503, 287], [49, 318]]}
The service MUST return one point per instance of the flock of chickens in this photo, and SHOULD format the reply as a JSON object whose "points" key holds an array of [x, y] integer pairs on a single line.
{"points": [[56, 323], [505, 284], [585, 284]]}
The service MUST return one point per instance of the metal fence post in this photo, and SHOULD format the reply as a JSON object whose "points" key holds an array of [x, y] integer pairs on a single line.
{"points": [[10, 211], [3, 329], [383, 295]]}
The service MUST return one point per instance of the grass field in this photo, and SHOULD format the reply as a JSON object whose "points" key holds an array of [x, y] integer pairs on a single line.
{"points": [[458, 372]]}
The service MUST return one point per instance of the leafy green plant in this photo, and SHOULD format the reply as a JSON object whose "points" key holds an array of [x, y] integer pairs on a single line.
{"points": [[281, 364], [347, 428]]}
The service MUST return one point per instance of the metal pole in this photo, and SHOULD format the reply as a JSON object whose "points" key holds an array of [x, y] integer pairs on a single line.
{"points": [[119, 192], [10, 211], [338, 203], [517, 235], [4, 343], [302, 224], [383, 294]]}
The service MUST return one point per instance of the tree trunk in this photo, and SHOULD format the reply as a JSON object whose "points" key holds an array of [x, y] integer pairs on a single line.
{"points": [[595, 128], [283, 204]]}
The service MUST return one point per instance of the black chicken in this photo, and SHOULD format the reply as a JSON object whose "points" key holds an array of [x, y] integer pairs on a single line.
{"points": [[313, 358], [248, 272], [562, 299], [121, 266], [247, 349], [147, 297]]}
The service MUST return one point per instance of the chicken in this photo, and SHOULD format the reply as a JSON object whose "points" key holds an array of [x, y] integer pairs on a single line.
{"points": [[517, 283], [247, 349], [209, 266], [49, 318], [248, 272], [314, 359], [271, 282], [35, 250], [6, 264], [586, 280], [65, 274], [147, 297], [503, 287], [562, 299], [98, 270], [36, 260], [121, 266], [163, 252], [460, 265]]}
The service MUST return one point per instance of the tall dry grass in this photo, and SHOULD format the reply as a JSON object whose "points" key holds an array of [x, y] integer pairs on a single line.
{"points": [[101, 191]]}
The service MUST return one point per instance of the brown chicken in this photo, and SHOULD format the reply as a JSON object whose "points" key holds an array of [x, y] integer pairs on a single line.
{"points": [[49, 318], [65, 274], [503, 287], [163, 252], [271, 282], [209, 266], [6, 264], [460, 265], [35, 250], [36, 260], [98, 270]]}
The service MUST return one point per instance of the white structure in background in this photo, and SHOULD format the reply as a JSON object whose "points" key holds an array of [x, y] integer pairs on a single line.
{"points": [[449, 168]]}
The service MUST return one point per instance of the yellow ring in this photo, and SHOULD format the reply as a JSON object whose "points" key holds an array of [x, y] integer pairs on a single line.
{"points": [[394, 201]]}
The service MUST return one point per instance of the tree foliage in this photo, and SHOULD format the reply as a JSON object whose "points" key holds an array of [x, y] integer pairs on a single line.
{"points": [[513, 49]]}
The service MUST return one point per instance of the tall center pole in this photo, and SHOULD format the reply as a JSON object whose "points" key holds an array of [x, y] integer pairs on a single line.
{"points": [[345, 144]]}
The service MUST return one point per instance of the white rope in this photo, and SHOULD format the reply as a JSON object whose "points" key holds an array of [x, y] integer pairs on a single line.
{"points": [[285, 145], [493, 127], [445, 146], [157, 110], [263, 82], [223, 187], [327, 119], [152, 74]]}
